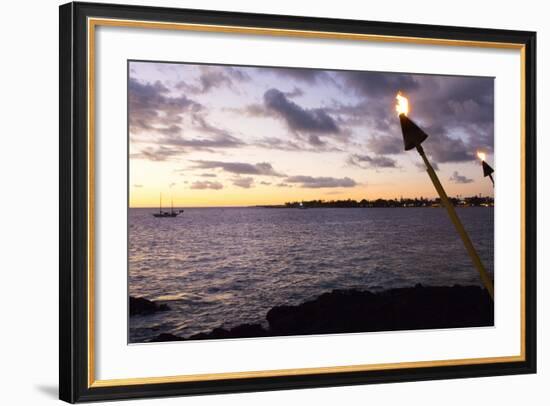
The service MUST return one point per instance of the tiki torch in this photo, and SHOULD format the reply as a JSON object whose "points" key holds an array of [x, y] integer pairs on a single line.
{"points": [[487, 170], [413, 137]]}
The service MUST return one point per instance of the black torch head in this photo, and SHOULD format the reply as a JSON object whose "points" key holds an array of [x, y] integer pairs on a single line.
{"points": [[413, 136], [487, 170]]}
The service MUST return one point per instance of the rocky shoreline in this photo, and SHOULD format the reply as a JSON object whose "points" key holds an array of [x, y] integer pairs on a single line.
{"points": [[352, 311]]}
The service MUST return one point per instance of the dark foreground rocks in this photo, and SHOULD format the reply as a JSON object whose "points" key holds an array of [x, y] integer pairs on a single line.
{"points": [[142, 306], [396, 309], [351, 311]]}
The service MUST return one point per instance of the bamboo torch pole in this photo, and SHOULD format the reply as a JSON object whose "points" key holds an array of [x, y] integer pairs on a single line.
{"points": [[487, 282], [413, 136]]}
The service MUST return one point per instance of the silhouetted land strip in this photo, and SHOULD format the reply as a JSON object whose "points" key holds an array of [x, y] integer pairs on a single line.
{"points": [[352, 311], [473, 201]]}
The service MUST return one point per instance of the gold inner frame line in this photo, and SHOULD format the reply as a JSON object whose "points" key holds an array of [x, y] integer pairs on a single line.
{"points": [[92, 23]]}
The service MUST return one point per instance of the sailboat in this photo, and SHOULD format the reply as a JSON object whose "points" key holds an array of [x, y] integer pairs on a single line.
{"points": [[170, 213]]}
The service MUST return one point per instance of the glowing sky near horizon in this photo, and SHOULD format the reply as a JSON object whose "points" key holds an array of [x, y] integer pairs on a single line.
{"points": [[211, 135]]}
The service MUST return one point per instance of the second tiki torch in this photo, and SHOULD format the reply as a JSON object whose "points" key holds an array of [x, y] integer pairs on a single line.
{"points": [[487, 169]]}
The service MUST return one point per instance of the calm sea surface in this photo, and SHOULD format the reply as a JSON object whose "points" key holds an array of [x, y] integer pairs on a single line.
{"points": [[227, 266]]}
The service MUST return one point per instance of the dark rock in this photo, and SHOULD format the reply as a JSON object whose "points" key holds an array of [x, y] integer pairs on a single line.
{"points": [[412, 308], [240, 331], [248, 331], [142, 306], [164, 337]]}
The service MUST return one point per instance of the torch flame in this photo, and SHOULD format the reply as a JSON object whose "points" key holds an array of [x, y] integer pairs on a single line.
{"points": [[481, 155], [402, 106]]}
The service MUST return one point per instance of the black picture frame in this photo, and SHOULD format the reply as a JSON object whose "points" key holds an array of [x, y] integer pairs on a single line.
{"points": [[74, 384]]}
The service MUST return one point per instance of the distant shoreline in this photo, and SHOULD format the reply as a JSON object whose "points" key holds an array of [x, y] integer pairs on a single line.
{"points": [[472, 201], [285, 207]]}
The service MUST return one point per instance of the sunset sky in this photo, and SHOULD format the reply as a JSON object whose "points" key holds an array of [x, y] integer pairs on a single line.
{"points": [[210, 135]]}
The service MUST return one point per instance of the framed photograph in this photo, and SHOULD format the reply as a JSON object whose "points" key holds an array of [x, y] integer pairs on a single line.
{"points": [[256, 202]]}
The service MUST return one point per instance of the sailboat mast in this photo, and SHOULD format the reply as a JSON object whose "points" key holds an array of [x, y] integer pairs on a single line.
{"points": [[160, 204]]}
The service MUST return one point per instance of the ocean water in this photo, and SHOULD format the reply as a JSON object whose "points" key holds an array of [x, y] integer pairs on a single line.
{"points": [[227, 266]]}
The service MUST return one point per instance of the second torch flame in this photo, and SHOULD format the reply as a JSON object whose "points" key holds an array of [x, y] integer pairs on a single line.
{"points": [[481, 155], [402, 106]]}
